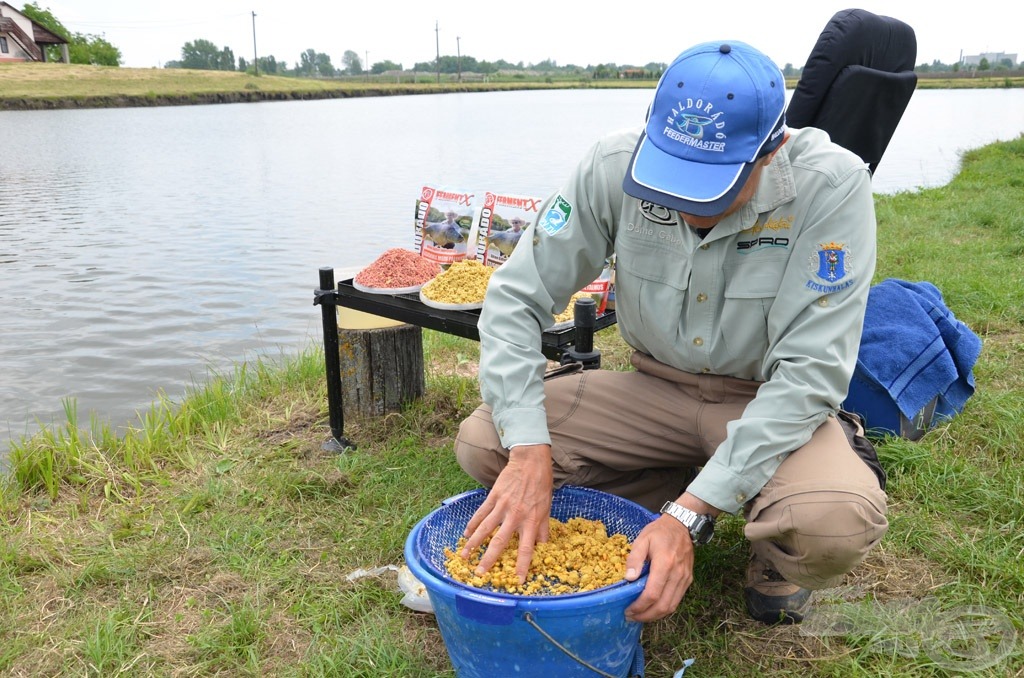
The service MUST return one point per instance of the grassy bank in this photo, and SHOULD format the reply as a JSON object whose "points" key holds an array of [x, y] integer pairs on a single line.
{"points": [[32, 86], [216, 537], [51, 85]]}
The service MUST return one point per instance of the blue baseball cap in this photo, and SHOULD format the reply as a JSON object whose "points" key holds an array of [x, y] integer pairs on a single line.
{"points": [[717, 109]]}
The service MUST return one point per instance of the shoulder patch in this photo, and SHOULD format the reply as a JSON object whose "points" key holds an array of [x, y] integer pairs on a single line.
{"points": [[557, 216], [831, 261], [832, 265]]}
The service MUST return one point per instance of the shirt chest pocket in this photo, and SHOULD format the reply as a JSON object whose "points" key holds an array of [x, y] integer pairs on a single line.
{"points": [[650, 285], [750, 293]]}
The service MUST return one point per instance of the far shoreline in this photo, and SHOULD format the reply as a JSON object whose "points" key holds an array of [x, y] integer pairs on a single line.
{"points": [[50, 86], [251, 96]]}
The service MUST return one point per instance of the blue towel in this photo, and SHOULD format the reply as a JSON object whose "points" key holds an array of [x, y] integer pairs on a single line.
{"points": [[914, 348]]}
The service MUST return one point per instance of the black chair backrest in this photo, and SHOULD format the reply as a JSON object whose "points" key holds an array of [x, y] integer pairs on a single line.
{"points": [[857, 82]]}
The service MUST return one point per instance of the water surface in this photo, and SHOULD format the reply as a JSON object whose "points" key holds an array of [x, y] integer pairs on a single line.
{"points": [[142, 248]]}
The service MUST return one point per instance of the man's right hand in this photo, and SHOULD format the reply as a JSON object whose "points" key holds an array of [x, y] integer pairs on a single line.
{"points": [[519, 502]]}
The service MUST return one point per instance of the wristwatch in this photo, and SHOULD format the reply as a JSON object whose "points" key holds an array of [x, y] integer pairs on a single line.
{"points": [[700, 526]]}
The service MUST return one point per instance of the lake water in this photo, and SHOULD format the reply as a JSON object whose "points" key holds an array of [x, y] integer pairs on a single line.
{"points": [[141, 249]]}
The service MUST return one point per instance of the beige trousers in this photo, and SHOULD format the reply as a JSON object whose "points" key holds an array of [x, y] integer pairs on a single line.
{"points": [[639, 435]]}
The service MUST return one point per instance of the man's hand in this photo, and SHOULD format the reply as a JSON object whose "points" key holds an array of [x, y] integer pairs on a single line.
{"points": [[519, 502], [667, 545]]}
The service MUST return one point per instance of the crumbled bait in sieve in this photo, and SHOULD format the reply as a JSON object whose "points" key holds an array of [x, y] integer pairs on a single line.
{"points": [[578, 556]]}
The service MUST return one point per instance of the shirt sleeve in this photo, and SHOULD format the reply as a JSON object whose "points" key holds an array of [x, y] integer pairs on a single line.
{"points": [[559, 254], [814, 336]]}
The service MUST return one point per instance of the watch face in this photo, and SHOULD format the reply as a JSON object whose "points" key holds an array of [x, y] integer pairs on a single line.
{"points": [[702, 531], [700, 527]]}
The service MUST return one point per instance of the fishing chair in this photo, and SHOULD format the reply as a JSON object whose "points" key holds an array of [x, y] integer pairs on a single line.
{"points": [[856, 86], [857, 82]]}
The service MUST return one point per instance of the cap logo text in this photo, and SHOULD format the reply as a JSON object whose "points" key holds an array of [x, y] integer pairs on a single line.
{"points": [[690, 121]]}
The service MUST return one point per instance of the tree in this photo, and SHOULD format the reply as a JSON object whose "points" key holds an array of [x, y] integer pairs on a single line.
{"points": [[385, 66], [351, 63], [324, 67], [204, 55], [307, 63], [270, 66], [93, 49], [314, 64], [226, 62], [983, 65]]}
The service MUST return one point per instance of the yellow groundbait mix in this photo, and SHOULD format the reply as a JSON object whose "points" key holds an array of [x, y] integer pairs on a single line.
{"points": [[578, 556], [464, 282]]}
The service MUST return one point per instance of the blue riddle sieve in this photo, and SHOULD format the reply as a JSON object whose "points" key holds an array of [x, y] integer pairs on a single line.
{"points": [[490, 633]]}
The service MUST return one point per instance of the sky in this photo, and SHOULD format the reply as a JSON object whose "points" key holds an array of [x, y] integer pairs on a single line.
{"points": [[150, 33]]}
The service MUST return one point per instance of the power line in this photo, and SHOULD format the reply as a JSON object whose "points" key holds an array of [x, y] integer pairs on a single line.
{"points": [[153, 23]]}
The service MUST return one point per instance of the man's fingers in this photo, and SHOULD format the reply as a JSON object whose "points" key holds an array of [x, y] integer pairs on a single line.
{"points": [[636, 558], [481, 514], [527, 540], [479, 535], [497, 544]]}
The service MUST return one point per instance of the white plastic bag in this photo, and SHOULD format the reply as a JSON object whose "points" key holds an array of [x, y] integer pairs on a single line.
{"points": [[415, 592]]}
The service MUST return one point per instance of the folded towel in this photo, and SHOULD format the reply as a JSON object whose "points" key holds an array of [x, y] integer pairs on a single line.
{"points": [[914, 348]]}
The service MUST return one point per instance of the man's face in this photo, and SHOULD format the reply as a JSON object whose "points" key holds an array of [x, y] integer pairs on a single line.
{"points": [[744, 196]]}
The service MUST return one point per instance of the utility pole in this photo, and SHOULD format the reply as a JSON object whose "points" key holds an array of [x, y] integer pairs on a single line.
{"points": [[255, 58], [437, 41], [458, 56]]}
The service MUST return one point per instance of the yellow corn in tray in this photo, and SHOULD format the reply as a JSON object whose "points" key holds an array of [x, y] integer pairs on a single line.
{"points": [[464, 282], [570, 311], [578, 556]]}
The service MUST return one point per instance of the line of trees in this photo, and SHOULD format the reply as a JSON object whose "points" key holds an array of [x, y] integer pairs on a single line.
{"points": [[205, 55]]}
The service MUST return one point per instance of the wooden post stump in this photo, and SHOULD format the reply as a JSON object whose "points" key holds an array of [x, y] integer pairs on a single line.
{"points": [[381, 369]]}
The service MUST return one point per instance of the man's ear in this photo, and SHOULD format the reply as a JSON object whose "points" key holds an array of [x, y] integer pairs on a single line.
{"points": [[768, 158]]}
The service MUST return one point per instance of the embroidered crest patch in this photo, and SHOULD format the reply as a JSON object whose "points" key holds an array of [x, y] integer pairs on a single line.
{"points": [[557, 216], [831, 262]]}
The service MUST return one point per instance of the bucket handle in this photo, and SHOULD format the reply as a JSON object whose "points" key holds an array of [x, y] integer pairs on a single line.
{"points": [[529, 620]]}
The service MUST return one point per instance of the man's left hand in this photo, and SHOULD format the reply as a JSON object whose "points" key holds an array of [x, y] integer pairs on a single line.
{"points": [[667, 544]]}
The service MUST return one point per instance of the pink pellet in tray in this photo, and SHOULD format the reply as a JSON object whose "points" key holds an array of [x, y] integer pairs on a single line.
{"points": [[397, 268]]}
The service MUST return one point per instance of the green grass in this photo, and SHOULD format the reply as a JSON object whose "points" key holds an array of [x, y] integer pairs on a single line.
{"points": [[214, 537], [57, 85]]}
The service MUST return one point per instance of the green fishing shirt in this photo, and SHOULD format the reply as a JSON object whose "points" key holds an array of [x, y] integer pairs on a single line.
{"points": [[774, 293]]}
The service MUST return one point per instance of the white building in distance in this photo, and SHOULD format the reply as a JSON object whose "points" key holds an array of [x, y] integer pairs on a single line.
{"points": [[994, 59]]}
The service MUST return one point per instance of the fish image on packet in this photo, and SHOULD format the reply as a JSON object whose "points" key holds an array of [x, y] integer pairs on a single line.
{"points": [[444, 228], [503, 220]]}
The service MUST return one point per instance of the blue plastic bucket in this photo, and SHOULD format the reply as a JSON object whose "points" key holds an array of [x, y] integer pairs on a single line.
{"points": [[489, 634]]}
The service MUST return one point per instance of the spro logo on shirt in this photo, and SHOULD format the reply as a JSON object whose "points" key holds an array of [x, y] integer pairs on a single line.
{"points": [[758, 241], [748, 246]]}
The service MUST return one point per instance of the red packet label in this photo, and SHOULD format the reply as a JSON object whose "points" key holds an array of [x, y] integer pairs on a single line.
{"points": [[504, 221], [444, 225]]}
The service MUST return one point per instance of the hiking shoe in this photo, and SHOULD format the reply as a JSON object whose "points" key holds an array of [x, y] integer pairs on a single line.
{"points": [[770, 598]]}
